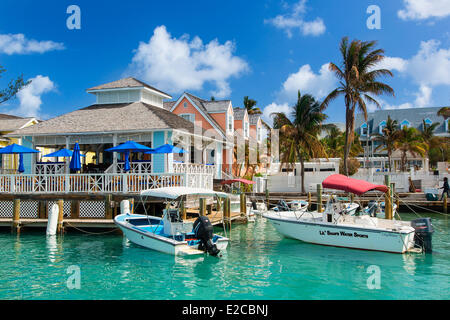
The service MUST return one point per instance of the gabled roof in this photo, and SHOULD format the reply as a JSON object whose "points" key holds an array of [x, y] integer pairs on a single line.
{"points": [[239, 113], [200, 104], [126, 83], [9, 122], [123, 117], [253, 118]]}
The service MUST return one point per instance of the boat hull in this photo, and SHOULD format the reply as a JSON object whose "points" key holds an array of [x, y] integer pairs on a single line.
{"points": [[344, 236], [162, 244]]}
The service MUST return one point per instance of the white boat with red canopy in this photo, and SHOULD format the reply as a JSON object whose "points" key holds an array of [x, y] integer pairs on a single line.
{"points": [[334, 227]]}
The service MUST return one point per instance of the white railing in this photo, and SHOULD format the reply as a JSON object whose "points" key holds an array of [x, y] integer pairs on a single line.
{"points": [[100, 183], [193, 168], [50, 168]]}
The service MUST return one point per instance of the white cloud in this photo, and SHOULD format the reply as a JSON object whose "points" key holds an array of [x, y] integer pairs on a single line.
{"points": [[19, 44], [30, 96], [423, 97], [305, 80], [431, 65], [295, 20], [428, 68], [424, 9], [274, 107], [179, 64], [392, 63]]}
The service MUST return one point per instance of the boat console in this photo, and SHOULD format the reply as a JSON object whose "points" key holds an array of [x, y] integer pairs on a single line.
{"points": [[173, 224]]}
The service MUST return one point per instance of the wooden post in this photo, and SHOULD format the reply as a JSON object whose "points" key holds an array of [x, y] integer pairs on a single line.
{"points": [[319, 197], [444, 203], [209, 209], [226, 212], [108, 208], [309, 201], [243, 204], [267, 199], [202, 206], [183, 210], [60, 228], [16, 216], [75, 213], [42, 209], [388, 198], [352, 197]]}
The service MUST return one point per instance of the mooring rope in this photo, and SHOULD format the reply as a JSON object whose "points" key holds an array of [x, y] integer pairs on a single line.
{"points": [[88, 232]]}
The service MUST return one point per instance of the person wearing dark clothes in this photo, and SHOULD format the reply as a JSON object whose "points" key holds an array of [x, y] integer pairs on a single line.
{"points": [[446, 188]]}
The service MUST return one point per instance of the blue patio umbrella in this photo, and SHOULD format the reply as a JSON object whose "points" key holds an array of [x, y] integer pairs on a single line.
{"points": [[127, 148], [18, 149], [126, 166], [64, 153], [21, 166], [167, 148], [75, 161]]}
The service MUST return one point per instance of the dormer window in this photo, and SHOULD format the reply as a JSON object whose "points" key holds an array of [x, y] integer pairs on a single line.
{"points": [[185, 105], [364, 129], [405, 123], [381, 126]]}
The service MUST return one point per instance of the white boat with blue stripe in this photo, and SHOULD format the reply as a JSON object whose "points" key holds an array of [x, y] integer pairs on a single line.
{"points": [[169, 233]]}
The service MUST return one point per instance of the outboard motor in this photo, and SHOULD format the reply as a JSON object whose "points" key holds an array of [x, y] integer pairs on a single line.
{"points": [[423, 234], [203, 230], [254, 207], [282, 206], [373, 208]]}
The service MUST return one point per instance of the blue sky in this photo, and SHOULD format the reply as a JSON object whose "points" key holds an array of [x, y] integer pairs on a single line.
{"points": [[230, 49]]}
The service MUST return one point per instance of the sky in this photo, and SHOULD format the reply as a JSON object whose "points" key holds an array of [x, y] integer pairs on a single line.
{"points": [[265, 49]]}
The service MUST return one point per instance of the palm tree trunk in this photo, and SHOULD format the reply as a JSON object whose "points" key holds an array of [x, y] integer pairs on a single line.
{"points": [[348, 136], [302, 173]]}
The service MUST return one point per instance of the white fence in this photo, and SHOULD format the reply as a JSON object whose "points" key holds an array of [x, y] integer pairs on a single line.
{"points": [[100, 183]]}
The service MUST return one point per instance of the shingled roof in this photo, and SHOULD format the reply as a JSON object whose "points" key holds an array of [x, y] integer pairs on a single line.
{"points": [[136, 116], [9, 122], [126, 83]]}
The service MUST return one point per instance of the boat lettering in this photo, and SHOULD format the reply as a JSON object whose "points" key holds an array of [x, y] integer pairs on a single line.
{"points": [[343, 234]]}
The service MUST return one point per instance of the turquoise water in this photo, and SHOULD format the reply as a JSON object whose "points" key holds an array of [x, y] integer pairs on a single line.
{"points": [[258, 264]]}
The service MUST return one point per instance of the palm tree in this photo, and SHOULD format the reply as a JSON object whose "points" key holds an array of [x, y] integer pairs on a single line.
{"points": [[409, 140], [388, 138], [250, 104], [428, 131], [299, 138], [445, 112], [357, 82]]}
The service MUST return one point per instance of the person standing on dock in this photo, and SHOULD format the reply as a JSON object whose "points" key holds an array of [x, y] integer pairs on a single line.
{"points": [[446, 188]]}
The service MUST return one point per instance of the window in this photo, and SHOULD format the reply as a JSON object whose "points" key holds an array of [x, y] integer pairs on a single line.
{"points": [[258, 135], [185, 104], [405, 123], [246, 129], [381, 126], [364, 129], [446, 125], [230, 123], [188, 116]]}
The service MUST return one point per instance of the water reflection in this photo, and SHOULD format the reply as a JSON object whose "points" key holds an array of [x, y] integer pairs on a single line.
{"points": [[52, 248]]}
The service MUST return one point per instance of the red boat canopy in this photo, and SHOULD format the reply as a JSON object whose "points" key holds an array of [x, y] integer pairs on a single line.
{"points": [[244, 181], [341, 182]]}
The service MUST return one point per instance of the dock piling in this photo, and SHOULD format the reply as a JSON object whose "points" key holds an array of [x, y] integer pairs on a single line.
{"points": [[60, 229], [319, 197], [202, 202], [243, 204], [16, 216]]}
